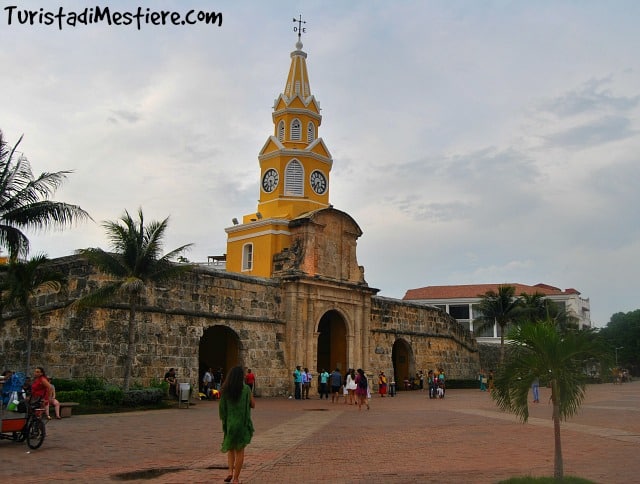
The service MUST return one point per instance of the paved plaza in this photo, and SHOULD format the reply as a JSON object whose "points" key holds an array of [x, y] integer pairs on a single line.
{"points": [[462, 438]]}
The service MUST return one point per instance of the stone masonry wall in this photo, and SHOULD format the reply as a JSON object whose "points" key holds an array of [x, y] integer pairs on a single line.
{"points": [[436, 339], [72, 343], [262, 316]]}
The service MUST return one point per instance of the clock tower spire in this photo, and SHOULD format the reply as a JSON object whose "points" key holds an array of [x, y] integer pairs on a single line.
{"points": [[294, 173]]}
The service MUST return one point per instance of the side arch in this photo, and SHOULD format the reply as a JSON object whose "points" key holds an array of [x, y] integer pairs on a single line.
{"points": [[219, 347], [404, 365]]}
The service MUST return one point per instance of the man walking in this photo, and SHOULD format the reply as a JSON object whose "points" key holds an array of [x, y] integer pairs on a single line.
{"points": [[335, 380]]}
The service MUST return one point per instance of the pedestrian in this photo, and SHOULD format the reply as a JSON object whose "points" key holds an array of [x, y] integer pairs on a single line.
{"points": [[483, 381], [171, 378], [250, 380], [207, 382], [350, 385], [490, 380], [441, 383], [362, 387], [297, 383], [432, 381], [234, 410], [217, 378], [306, 383], [535, 387], [382, 384], [41, 389], [335, 381], [324, 383]]}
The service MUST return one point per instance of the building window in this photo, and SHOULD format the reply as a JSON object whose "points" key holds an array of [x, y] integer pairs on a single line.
{"points": [[486, 332], [459, 311], [294, 179], [296, 130], [311, 132], [281, 130], [247, 257]]}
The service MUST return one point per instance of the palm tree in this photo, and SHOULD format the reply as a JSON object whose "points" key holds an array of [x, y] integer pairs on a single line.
{"points": [[21, 282], [541, 350], [499, 307], [537, 307], [135, 263], [24, 201]]}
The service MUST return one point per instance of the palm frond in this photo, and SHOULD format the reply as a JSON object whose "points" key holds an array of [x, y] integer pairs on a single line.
{"points": [[24, 201], [97, 297]]}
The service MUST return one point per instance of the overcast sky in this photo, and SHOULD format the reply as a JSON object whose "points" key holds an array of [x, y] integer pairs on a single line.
{"points": [[473, 141]]}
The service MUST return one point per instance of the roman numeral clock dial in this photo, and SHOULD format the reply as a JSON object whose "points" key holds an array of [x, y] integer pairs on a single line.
{"points": [[270, 180], [318, 182]]}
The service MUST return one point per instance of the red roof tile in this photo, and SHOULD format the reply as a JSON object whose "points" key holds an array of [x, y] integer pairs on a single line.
{"points": [[476, 290]]}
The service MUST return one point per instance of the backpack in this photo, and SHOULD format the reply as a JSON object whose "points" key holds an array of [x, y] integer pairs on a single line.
{"points": [[362, 383]]}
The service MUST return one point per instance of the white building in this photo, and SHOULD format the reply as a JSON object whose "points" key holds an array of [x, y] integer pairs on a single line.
{"points": [[461, 302]]}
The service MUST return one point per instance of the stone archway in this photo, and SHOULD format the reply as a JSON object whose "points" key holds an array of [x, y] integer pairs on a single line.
{"points": [[332, 342], [403, 362], [219, 348]]}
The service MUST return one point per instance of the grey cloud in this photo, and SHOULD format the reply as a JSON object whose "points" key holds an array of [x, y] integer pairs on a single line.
{"points": [[119, 115], [590, 97], [592, 133]]}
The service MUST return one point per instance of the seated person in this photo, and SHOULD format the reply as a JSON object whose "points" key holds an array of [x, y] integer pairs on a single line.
{"points": [[172, 380]]}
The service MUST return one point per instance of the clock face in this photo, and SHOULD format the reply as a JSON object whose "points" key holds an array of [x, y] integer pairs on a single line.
{"points": [[318, 182], [270, 180]]}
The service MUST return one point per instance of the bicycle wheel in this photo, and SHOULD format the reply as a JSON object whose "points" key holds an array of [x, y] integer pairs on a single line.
{"points": [[35, 433]]}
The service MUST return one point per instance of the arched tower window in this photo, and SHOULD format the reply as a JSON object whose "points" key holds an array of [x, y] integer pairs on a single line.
{"points": [[294, 179], [281, 130], [311, 132], [247, 257], [296, 130]]}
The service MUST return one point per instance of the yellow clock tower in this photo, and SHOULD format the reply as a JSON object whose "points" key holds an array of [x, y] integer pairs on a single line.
{"points": [[294, 176]]}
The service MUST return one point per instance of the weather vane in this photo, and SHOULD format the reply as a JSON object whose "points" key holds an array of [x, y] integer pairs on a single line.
{"points": [[300, 29]]}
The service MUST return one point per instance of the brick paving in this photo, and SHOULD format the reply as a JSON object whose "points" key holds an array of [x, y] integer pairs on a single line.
{"points": [[408, 439]]}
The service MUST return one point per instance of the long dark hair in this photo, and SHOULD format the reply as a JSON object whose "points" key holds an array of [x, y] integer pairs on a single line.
{"points": [[233, 384]]}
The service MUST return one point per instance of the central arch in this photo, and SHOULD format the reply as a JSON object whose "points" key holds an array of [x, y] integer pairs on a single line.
{"points": [[332, 342]]}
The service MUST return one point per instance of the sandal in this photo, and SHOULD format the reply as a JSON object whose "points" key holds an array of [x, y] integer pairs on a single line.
{"points": [[228, 478]]}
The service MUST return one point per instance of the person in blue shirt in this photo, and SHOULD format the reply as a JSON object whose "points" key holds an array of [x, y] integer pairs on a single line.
{"points": [[297, 383], [324, 384]]}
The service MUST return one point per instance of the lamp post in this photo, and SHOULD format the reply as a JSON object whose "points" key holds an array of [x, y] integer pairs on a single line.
{"points": [[618, 348]]}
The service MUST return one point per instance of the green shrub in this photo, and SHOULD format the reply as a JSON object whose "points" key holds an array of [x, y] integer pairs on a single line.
{"points": [[66, 385], [146, 396], [79, 396], [92, 383], [88, 384], [110, 397]]}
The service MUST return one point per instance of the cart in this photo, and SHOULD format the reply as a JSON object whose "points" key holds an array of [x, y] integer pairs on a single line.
{"points": [[21, 426]]}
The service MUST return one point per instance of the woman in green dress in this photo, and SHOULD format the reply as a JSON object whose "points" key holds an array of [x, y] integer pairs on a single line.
{"points": [[235, 407]]}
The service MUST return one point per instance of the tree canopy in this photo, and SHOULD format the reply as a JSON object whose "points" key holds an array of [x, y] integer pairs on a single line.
{"points": [[136, 262], [25, 201]]}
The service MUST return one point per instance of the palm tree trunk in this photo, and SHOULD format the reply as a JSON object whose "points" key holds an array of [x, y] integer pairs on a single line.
{"points": [[29, 338], [131, 348], [558, 468], [501, 345]]}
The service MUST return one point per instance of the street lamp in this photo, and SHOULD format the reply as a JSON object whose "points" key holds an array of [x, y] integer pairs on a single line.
{"points": [[618, 348]]}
